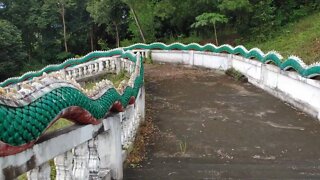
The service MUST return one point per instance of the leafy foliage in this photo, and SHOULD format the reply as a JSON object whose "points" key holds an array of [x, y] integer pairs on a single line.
{"points": [[209, 19], [108, 12], [51, 30], [11, 49]]}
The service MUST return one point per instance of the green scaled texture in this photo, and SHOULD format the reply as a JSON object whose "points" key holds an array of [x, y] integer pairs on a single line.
{"points": [[271, 57], [21, 125]]}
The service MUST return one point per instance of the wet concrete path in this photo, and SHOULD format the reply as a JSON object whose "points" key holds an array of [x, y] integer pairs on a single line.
{"points": [[212, 127]]}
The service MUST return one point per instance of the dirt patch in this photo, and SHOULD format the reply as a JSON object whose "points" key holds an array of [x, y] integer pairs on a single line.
{"points": [[174, 72], [146, 136]]}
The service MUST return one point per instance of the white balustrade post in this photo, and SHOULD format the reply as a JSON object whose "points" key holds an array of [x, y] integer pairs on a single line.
{"points": [[118, 65], [113, 65], [85, 70], [63, 165], [229, 61], [141, 103], [124, 128], [147, 53], [101, 66], [131, 122], [96, 67], [127, 66], [191, 58], [144, 54], [78, 72], [108, 65], [90, 69], [74, 73], [131, 68], [81, 72], [40, 173], [80, 168], [93, 159], [110, 149]]}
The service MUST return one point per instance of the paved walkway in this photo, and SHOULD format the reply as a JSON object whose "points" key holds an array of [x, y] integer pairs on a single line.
{"points": [[212, 127]]}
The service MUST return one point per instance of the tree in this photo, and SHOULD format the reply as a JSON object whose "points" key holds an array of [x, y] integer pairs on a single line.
{"points": [[209, 19], [263, 20], [11, 50], [62, 5], [105, 11], [132, 4], [232, 5]]}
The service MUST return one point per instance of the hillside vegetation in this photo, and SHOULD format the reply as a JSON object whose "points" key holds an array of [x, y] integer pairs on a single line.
{"points": [[35, 33], [301, 38]]}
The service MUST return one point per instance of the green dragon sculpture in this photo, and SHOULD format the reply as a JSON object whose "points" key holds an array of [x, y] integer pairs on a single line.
{"points": [[25, 116]]}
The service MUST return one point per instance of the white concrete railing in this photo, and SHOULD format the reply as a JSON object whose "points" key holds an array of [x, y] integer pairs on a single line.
{"points": [[81, 151], [93, 152], [99, 67], [289, 86], [89, 70]]}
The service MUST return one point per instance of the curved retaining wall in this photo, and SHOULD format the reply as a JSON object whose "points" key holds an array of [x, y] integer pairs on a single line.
{"points": [[22, 122], [289, 86]]}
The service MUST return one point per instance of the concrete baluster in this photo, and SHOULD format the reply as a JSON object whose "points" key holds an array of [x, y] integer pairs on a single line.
{"points": [[78, 72], [113, 65], [129, 119], [96, 67], [93, 159], [131, 68], [117, 65], [85, 70], [93, 68], [80, 162], [122, 64], [123, 128], [81, 71], [101, 66], [110, 149], [88, 69], [108, 65], [90, 66], [144, 54], [63, 165], [141, 103], [191, 58], [40, 173], [74, 73]]}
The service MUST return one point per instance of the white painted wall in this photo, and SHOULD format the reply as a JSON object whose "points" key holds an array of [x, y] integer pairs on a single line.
{"points": [[289, 86]]}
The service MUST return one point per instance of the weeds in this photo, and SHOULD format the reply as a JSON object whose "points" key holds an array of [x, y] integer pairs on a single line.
{"points": [[238, 76], [183, 146]]}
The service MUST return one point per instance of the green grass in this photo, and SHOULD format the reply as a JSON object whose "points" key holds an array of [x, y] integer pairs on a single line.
{"points": [[301, 38], [117, 78], [61, 123], [114, 78], [238, 76]]}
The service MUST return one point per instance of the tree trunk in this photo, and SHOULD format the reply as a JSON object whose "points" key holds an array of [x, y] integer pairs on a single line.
{"points": [[117, 34], [138, 24], [91, 38], [64, 27], [215, 34]]}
